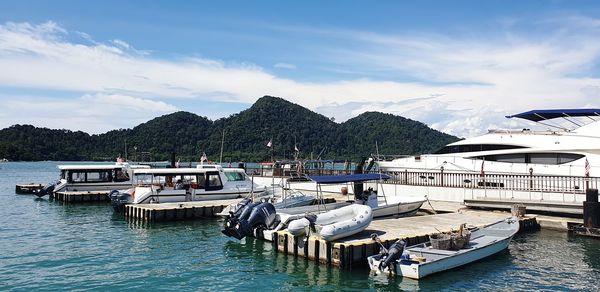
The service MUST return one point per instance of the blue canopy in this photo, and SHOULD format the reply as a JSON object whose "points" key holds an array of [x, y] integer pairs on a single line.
{"points": [[540, 115], [337, 179]]}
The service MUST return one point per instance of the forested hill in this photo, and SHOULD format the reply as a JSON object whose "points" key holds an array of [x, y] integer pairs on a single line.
{"points": [[245, 137]]}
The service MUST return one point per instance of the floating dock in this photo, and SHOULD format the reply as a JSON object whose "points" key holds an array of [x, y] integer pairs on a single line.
{"points": [[77, 197], [176, 211], [27, 188], [354, 250]]}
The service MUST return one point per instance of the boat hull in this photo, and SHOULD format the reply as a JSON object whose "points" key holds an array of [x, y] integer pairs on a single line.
{"points": [[399, 209]]}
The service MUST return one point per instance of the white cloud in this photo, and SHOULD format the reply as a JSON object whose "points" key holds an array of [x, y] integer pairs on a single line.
{"points": [[90, 113], [457, 84], [285, 66]]}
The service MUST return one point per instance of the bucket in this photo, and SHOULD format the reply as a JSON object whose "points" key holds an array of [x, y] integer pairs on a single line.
{"points": [[440, 241], [459, 241]]}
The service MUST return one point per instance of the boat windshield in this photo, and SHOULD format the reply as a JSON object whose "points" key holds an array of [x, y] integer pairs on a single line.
{"points": [[235, 176]]}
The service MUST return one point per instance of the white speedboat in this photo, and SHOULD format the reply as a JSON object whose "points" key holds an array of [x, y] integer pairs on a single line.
{"points": [[421, 260], [382, 205], [92, 177], [205, 182], [560, 150]]}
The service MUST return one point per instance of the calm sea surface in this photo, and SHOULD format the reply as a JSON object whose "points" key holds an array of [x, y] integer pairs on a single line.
{"points": [[47, 245]]}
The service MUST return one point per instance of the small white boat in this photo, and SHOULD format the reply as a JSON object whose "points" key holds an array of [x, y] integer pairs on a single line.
{"points": [[334, 224], [421, 260], [167, 185], [382, 205], [92, 177]]}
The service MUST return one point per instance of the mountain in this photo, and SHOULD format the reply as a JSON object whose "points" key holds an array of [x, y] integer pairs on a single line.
{"points": [[244, 136]]}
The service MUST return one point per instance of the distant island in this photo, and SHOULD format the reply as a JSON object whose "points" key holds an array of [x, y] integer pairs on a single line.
{"points": [[246, 135]]}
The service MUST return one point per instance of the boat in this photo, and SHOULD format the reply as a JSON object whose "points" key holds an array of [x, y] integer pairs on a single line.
{"points": [[422, 260], [167, 185], [560, 150], [333, 224], [3, 160], [92, 177], [381, 205]]}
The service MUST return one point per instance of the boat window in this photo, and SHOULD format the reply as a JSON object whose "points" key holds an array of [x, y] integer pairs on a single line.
{"points": [[213, 181], [475, 148], [568, 157], [120, 175], [535, 158], [77, 176], [235, 176], [63, 174], [98, 176]]}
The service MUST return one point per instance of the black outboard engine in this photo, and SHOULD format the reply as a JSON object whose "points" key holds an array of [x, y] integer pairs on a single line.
{"points": [[118, 200], [393, 254], [47, 189], [241, 212], [262, 217]]}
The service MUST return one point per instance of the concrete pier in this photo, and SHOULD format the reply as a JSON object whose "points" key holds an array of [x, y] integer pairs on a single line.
{"points": [[78, 197], [176, 211], [354, 250]]}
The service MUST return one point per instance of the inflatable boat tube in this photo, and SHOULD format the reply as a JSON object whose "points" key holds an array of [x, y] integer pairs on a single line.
{"points": [[335, 224]]}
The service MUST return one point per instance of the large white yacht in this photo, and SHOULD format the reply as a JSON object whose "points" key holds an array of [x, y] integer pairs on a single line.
{"points": [[559, 151]]}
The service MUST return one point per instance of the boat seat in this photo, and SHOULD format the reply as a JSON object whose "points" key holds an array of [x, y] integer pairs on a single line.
{"points": [[432, 250]]}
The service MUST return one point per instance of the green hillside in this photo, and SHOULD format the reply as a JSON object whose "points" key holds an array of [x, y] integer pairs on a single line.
{"points": [[245, 137]]}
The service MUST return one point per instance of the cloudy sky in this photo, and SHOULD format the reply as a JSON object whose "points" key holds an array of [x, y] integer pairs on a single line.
{"points": [[458, 66]]}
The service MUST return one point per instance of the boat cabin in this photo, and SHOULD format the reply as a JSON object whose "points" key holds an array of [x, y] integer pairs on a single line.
{"points": [[203, 177], [119, 172]]}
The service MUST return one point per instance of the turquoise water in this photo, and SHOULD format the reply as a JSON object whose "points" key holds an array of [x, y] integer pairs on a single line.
{"points": [[47, 245]]}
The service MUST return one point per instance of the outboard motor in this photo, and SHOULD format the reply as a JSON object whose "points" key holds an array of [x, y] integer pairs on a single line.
{"points": [[393, 254], [47, 189], [240, 213], [119, 199], [263, 217]]}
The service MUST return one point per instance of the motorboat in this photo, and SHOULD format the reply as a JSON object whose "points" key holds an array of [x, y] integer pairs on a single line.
{"points": [[381, 205], [92, 177], [166, 185], [333, 224], [424, 259], [569, 147]]}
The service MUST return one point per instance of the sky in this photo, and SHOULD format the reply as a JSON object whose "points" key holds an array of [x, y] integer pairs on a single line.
{"points": [[458, 66]]}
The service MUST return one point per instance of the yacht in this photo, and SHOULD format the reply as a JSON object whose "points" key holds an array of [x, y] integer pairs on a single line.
{"points": [[92, 177], [167, 185], [559, 151], [549, 170]]}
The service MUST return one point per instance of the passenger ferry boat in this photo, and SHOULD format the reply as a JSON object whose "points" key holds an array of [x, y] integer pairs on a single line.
{"points": [[205, 182], [92, 177]]}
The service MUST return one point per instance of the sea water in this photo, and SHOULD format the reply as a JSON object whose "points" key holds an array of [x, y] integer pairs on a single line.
{"points": [[49, 245]]}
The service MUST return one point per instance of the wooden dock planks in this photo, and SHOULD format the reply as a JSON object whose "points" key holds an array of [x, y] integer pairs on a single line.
{"points": [[176, 211], [78, 197]]}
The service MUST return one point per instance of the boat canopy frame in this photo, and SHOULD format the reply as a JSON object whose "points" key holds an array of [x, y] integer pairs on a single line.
{"points": [[539, 116]]}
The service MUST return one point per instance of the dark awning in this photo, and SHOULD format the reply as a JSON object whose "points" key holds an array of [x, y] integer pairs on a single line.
{"points": [[337, 179], [540, 115]]}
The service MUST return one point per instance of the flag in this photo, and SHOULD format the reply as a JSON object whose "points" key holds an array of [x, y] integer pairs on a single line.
{"points": [[296, 148], [482, 173], [587, 168], [178, 163], [203, 158], [270, 143]]}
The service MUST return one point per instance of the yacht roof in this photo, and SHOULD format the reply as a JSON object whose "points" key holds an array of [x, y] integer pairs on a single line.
{"points": [[163, 171], [336, 179], [540, 115]]}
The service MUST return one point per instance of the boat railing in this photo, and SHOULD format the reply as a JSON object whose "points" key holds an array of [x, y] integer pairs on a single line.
{"points": [[509, 182]]}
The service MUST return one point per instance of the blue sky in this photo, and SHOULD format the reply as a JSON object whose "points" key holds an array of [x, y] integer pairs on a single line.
{"points": [[458, 66]]}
